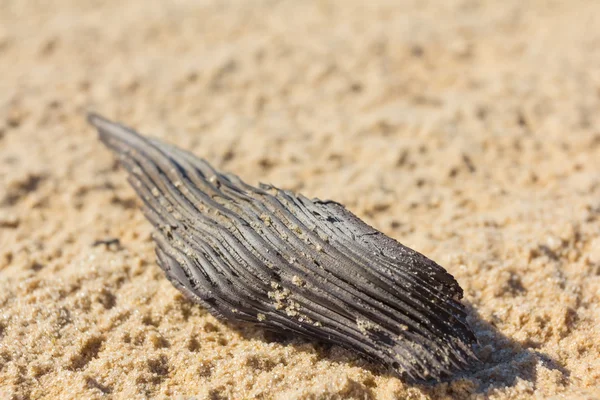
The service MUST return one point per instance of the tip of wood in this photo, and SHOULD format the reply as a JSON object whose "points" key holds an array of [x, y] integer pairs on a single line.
{"points": [[96, 119]]}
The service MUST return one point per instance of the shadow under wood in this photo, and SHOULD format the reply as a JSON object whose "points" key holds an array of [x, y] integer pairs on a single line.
{"points": [[503, 361]]}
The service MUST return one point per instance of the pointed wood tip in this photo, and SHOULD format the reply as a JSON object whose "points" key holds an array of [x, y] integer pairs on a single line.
{"points": [[110, 131], [99, 122]]}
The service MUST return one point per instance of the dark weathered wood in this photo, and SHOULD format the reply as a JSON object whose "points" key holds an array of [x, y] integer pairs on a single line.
{"points": [[285, 262]]}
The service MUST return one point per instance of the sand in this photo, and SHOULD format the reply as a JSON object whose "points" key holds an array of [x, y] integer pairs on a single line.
{"points": [[467, 130]]}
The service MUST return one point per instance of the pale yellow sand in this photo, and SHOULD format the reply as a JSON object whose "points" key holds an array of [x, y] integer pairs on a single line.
{"points": [[467, 130]]}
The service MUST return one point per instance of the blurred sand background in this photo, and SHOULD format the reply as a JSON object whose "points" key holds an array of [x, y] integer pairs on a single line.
{"points": [[468, 130]]}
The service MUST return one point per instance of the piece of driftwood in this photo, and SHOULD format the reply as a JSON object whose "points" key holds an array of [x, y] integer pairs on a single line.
{"points": [[287, 263]]}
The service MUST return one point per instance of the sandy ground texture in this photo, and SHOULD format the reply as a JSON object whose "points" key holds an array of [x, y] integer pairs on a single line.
{"points": [[468, 130]]}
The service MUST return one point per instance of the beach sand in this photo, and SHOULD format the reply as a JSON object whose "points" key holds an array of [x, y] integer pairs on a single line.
{"points": [[467, 130]]}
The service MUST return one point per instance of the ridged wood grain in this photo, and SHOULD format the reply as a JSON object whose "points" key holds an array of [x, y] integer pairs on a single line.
{"points": [[288, 263]]}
